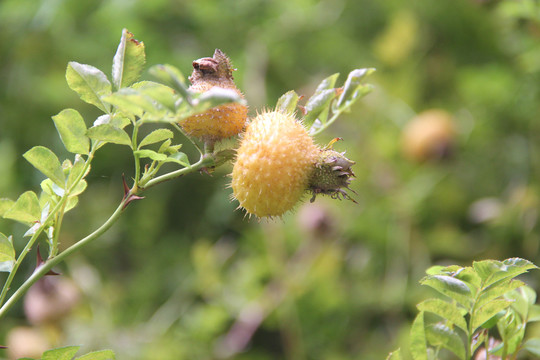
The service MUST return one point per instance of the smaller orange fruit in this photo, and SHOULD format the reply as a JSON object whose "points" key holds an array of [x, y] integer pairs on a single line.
{"points": [[222, 121]]}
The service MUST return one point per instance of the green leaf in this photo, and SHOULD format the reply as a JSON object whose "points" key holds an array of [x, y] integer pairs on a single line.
{"points": [[171, 76], [98, 355], [26, 209], [63, 353], [486, 312], [534, 313], [156, 136], [491, 271], [116, 120], [450, 286], [109, 133], [90, 83], [133, 102], [445, 310], [440, 335], [146, 153], [72, 130], [5, 205], [328, 83], [76, 170], [179, 158], [394, 355], [7, 253], [317, 104], [288, 102], [160, 93], [496, 291], [216, 96], [352, 85], [129, 60], [46, 161], [533, 346], [418, 338]]}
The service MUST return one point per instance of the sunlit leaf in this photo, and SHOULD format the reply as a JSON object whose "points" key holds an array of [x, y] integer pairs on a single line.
{"points": [[533, 346], [26, 209], [71, 202], [451, 287], [109, 133], [98, 355], [214, 97], [328, 83], [46, 161], [129, 60], [534, 313], [418, 338], [288, 102], [318, 104], [72, 130], [179, 158], [63, 353], [496, 291], [351, 86], [394, 355], [132, 101], [7, 253], [440, 335], [446, 310], [153, 155], [116, 120], [172, 77], [156, 136], [76, 170], [486, 312], [5, 205], [90, 83], [160, 93], [492, 271]]}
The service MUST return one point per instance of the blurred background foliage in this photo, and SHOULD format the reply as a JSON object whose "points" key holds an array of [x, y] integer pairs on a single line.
{"points": [[184, 275]]}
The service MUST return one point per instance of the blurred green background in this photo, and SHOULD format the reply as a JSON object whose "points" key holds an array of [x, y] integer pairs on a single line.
{"points": [[185, 276]]}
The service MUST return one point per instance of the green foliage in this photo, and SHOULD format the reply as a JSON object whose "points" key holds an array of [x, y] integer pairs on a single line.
{"points": [[69, 352], [327, 100], [478, 299]]}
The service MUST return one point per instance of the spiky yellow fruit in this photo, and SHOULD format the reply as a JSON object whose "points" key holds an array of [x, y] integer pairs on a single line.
{"points": [[273, 165], [222, 121]]}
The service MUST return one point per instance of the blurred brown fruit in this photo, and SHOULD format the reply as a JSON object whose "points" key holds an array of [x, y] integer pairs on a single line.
{"points": [[24, 341], [50, 299], [429, 136]]}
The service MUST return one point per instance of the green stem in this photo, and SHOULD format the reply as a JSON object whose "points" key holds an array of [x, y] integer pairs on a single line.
{"points": [[50, 263], [58, 226], [136, 156], [202, 163], [40, 229]]}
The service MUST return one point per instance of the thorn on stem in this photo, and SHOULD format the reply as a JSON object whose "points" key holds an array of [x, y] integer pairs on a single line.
{"points": [[126, 187], [131, 198], [40, 262]]}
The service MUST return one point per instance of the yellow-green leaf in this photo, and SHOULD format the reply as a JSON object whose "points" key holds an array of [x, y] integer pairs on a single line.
{"points": [[7, 253], [129, 60], [72, 130], [46, 161], [90, 83]]}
